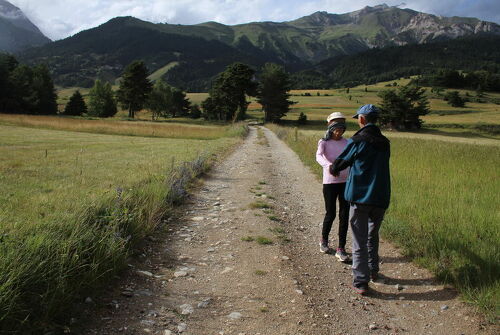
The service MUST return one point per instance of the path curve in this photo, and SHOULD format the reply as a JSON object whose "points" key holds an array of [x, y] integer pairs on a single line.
{"points": [[210, 275]]}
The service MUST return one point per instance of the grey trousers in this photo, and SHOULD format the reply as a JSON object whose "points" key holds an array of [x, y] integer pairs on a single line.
{"points": [[365, 223]]}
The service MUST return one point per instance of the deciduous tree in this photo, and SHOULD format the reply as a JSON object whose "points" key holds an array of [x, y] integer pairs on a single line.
{"points": [[227, 97], [102, 102]]}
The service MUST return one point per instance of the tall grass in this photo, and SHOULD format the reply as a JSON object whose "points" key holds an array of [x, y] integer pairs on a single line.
{"points": [[445, 209], [72, 207], [116, 127]]}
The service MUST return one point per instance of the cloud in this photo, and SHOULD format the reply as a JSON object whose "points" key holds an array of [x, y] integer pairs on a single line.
{"points": [[61, 18]]}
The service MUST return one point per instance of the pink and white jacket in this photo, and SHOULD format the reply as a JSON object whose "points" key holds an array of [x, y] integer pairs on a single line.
{"points": [[327, 152]]}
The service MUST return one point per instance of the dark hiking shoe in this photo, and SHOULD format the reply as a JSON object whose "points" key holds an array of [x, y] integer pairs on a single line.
{"points": [[361, 289], [341, 255], [375, 277], [323, 246]]}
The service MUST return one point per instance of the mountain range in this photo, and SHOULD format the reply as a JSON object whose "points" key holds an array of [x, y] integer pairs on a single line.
{"points": [[17, 32], [189, 56]]}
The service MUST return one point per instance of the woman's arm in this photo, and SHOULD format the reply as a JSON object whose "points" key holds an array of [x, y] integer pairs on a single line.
{"points": [[320, 155]]}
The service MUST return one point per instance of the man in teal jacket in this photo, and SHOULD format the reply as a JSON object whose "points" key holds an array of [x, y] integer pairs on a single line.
{"points": [[368, 191]]}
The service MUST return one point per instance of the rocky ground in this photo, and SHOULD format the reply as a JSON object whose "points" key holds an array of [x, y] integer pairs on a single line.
{"points": [[242, 258]]}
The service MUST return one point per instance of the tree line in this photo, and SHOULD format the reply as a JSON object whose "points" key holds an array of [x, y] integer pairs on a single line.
{"points": [[227, 100], [474, 80], [30, 90], [25, 89]]}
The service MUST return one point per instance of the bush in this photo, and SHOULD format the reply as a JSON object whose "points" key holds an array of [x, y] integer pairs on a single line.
{"points": [[302, 118], [194, 111], [454, 99]]}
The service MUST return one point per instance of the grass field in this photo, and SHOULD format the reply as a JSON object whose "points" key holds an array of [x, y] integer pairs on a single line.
{"points": [[445, 208], [73, 204]]}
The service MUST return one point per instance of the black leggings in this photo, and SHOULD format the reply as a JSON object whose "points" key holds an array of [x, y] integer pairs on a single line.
{"points": [[331, 192]]}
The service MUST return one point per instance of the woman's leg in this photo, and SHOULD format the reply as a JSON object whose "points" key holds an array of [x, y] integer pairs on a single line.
{"points": [[329, 196], [343, 216]]}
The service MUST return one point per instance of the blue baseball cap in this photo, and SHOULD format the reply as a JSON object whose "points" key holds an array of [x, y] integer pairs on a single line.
{"points": [[365, 109]]}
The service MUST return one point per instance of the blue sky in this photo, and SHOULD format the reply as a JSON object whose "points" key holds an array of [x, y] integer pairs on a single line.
{"points": [[61, 18]]}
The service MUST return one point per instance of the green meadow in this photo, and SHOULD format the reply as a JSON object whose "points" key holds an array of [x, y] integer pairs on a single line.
{"points": [[74, 204]]}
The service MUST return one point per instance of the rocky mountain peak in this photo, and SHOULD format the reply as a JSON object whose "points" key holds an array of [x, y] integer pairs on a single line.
{"points": [[16, 16]]}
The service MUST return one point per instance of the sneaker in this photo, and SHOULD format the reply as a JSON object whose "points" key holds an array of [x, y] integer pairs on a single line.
{"points": [[323, 246], [361, 289], [341, 255], [377, 278]]}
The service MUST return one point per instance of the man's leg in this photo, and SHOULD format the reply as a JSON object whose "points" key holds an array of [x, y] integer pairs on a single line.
{"points": [[375, 220], [358, 217]]}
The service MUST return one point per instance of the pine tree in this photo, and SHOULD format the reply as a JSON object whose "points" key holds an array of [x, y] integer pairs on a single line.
{"points": [[134, 87], [273, 92], [402, 109], [46, 97], [76, 105]]}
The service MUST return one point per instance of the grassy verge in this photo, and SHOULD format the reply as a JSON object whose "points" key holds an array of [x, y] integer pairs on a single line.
{"points": [[74, 204], [444, 209]]}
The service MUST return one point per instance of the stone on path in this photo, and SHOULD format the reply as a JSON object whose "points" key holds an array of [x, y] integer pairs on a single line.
{"points": [[145, 273], [178, 274], [182, 327], [186, 309], [235, 316]]}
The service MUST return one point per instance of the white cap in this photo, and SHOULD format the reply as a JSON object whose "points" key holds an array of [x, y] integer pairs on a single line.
{"points": [[335, 115]]}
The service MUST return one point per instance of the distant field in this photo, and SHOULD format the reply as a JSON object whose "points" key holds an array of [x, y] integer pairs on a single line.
{"points": [[445, 207], [161, 72], [443, 119], [74, 203]]}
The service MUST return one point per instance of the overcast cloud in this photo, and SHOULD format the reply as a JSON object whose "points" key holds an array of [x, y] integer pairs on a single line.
{"points": [[61, 18]]}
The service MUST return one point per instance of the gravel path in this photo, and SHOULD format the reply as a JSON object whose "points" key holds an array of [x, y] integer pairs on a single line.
{"points": [[228, 266]]}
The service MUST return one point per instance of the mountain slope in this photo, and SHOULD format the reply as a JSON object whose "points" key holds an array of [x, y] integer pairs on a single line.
{"points": [[200, 51], [103, 52], [322, 35], [17, 32]]}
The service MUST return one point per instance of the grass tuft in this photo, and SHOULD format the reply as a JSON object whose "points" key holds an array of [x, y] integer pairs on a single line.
{"points": [[260, 204], [263, 240], [248, 238]]}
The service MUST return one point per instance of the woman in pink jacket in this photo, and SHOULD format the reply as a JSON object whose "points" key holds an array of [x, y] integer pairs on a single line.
{"points": [[329, 148]]}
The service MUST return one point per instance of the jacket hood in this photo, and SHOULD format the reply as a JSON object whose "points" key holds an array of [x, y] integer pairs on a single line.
{"points": [[372, 134]]}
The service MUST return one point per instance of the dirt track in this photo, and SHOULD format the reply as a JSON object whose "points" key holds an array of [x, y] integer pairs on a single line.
{"points": [[202, 278]]}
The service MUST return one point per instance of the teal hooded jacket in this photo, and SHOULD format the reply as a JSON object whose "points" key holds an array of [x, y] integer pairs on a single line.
{"points": [[367, 154]]}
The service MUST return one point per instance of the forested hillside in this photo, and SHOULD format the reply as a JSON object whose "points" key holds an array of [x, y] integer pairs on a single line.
{"points": [[467, 54]]}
